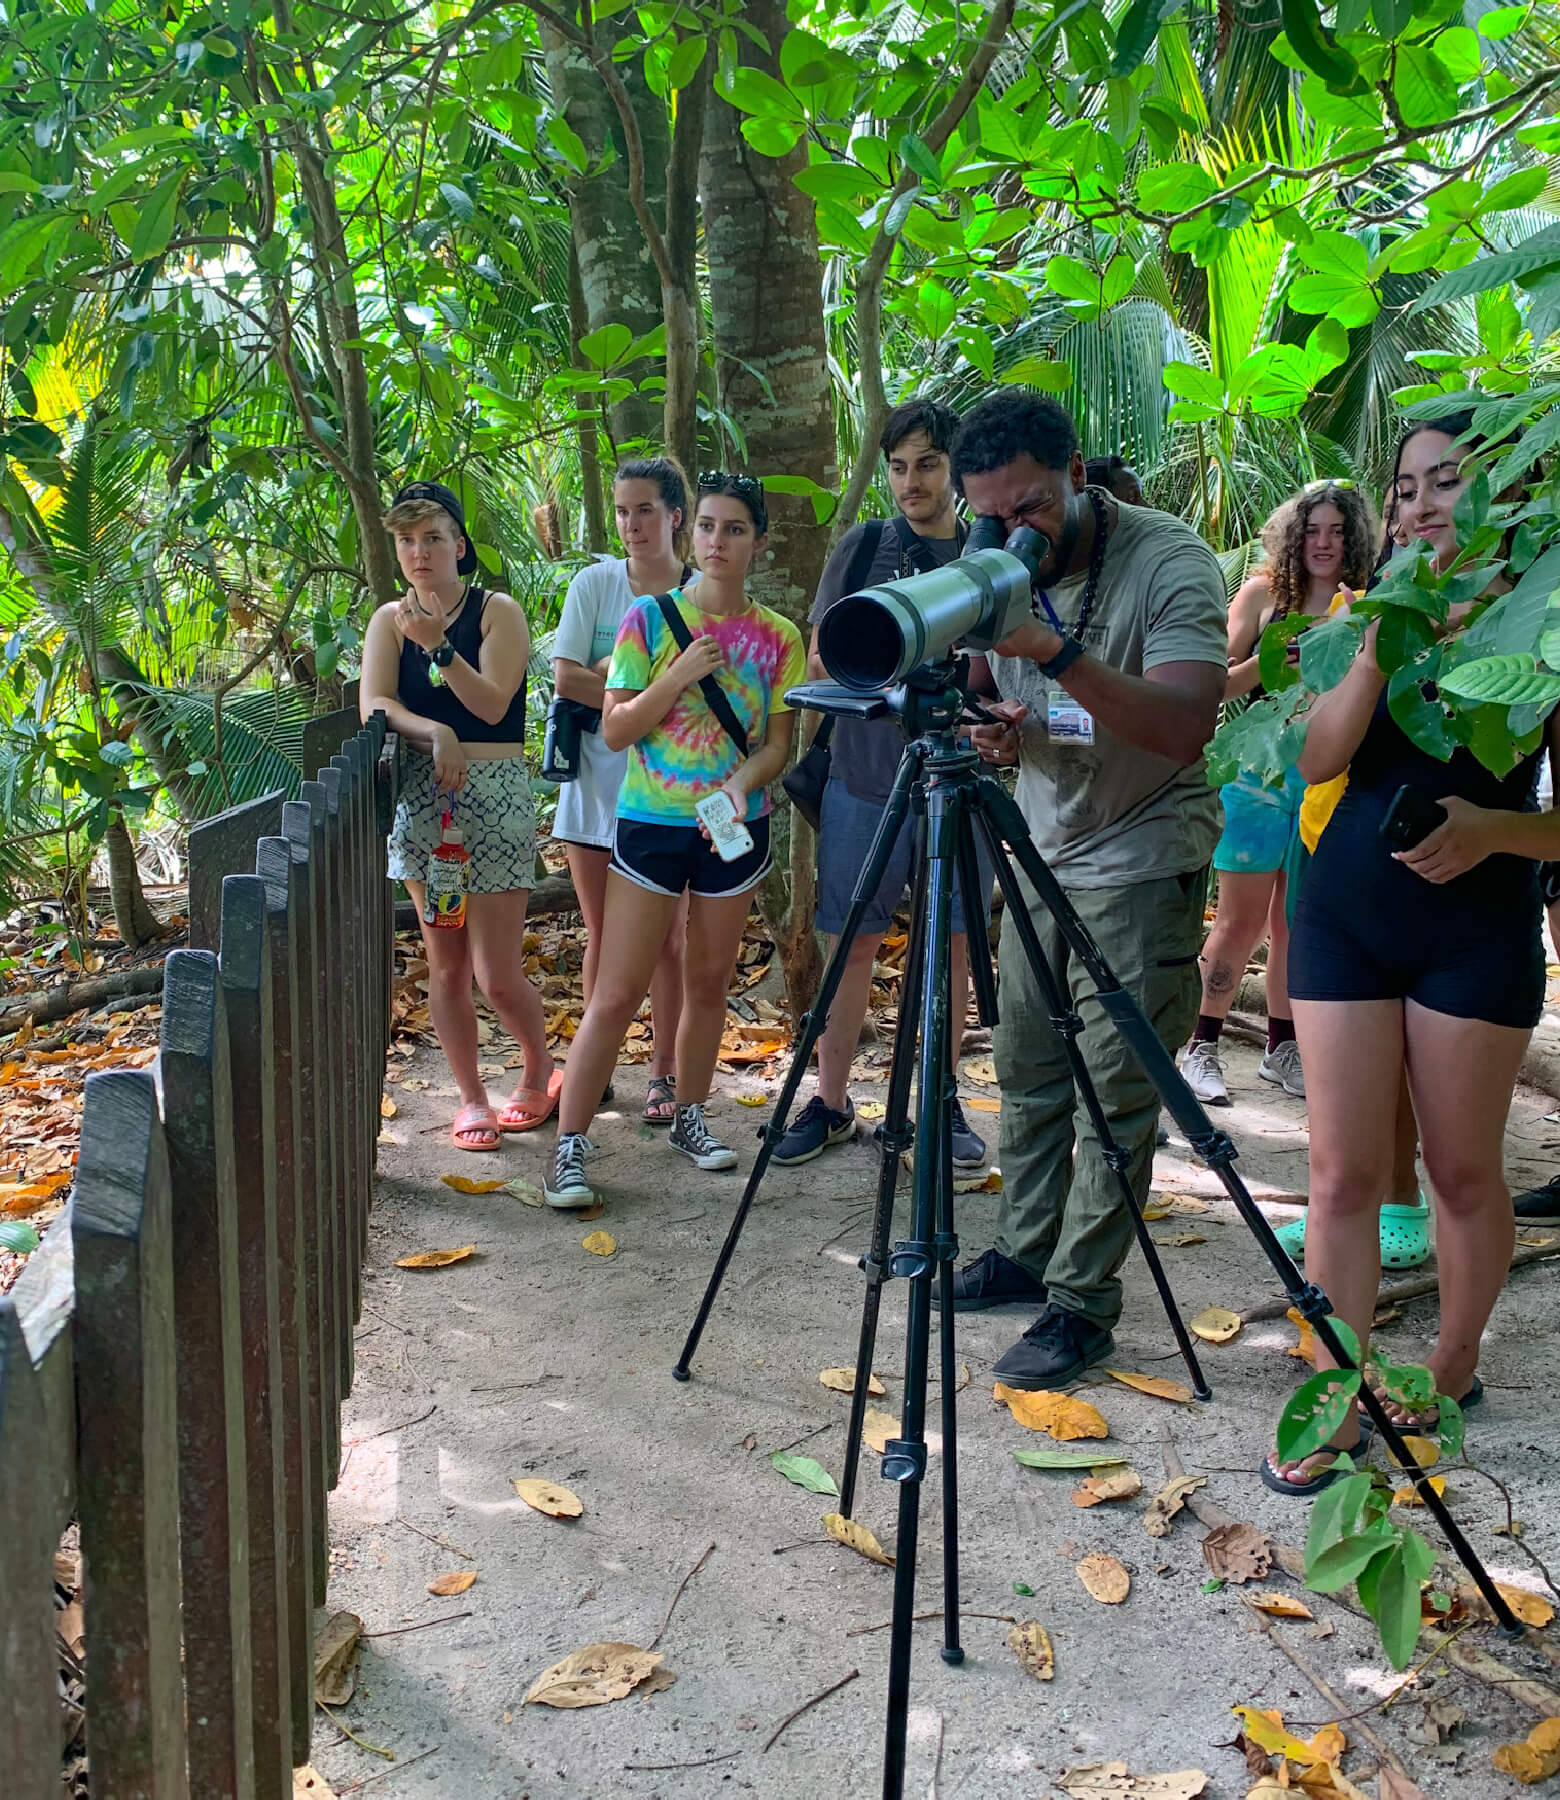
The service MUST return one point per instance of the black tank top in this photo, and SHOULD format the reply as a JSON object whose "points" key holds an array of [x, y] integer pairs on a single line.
{"points": [[418, 694]]}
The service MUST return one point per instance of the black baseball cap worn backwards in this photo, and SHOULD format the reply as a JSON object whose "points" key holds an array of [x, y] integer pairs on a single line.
{"points": [[446, 497]]}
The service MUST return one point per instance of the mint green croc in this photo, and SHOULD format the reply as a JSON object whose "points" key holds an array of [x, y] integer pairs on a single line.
{"points": [[1292, 1237], [1405, 1236]]}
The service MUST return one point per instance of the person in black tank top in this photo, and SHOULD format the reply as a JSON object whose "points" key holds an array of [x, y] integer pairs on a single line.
{"points": [[446, 664], [1428, 957]]}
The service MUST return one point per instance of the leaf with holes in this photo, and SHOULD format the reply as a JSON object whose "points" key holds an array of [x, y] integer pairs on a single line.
{"points": [[1168, 1502], [1032, 1646], [856, 1537], [1238, 1552], [593, 1676], [547, 1497]]}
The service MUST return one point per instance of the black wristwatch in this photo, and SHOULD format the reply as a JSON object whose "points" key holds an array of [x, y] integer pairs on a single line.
{"points": [[1063, 660], [442, 655]]}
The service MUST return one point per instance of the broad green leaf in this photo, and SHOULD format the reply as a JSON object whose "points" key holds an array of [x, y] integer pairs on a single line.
{"points": [[1421, 720], [1120, 273], [567, 142], [686, 61], [894, 218], [752, 91], [1392, 16], [773, 137], [1065, 1459], [843, 183], [1174, 187], [154, 224], [1392, 1600], [1039, 372], [1193, 383], [937, 308], [1343, 1562], [605, 348], [1503, 680], [805, 1472], [1315, 1411], [1314, 46], [1072, 279], [1541, 251], [14, 181], [18, 1238], [1502, 21], [460, 203], [1335, 1513], [1137, 30], [1422, 87], [1450, 1425], [914, 154], [1520, 189]]}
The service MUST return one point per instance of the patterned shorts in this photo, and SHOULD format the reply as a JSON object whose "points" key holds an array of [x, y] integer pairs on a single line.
{"points": [[493, 812]]}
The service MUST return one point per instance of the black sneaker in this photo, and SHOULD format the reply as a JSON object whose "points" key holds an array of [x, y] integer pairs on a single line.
{"points": [[1056, 1349], [1540, 1205], [815, 1129], [992, 1280], [969, 1148], [698, 1143]]}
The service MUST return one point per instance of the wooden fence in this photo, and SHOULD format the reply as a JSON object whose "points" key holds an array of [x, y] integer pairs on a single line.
{"points": [[174, 1356]]}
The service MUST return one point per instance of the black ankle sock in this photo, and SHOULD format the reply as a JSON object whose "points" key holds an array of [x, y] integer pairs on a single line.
{"points": [[1208, 1028], [1280, 1031]]}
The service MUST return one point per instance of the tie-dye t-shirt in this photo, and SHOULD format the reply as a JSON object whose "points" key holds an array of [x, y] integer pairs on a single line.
{"points": [[688, 755]]}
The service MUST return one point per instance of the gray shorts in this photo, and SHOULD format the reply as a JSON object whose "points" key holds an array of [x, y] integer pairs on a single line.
{"points": [[845, 831], [493, 812]]}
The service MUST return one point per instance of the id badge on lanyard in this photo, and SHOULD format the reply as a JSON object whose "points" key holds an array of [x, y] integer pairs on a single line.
{"points": [[1067, 721]]}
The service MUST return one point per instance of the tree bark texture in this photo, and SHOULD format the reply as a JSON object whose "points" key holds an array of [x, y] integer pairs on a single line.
{"points": [[593, 500], [618, 276], [137, 922], [772, 373]]}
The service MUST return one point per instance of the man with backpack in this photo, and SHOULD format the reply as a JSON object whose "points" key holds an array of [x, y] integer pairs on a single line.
{"points": [[864, 757]]}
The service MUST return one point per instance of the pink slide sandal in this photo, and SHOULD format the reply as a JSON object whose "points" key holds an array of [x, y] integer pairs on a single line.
{"points": [[526, 1108]]}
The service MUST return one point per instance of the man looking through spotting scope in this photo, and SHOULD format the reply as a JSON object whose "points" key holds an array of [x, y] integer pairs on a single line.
{"points": [[1109, 696], [863, 761]]}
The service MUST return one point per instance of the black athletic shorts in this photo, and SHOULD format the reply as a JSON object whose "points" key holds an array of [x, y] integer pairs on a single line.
{"points": [[665, 859]]}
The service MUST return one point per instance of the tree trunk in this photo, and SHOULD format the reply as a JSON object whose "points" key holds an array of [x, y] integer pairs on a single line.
{"points": [[772, 372], [680, 296], [592, 499], [618, 275], [137, 922]]}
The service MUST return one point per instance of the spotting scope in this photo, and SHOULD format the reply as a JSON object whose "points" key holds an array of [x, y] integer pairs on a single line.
{"points": [[877, 637]]}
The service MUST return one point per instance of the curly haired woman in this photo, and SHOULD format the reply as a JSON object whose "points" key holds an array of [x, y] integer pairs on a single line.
{"points": [[1319, 539]]}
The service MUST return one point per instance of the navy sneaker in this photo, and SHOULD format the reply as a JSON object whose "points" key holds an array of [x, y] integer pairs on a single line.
{"points": [[969, 1148], [1540, 1205], [814, 1129], [992, 1280], [1056, 1349]]}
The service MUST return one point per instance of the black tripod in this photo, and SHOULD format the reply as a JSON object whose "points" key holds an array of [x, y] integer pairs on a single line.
{"points": [[942, 783]]}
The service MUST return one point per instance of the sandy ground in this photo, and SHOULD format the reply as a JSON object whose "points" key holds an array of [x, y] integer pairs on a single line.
{"points": [[533, 1357]]}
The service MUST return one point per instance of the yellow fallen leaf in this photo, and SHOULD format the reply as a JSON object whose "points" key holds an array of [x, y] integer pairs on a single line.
{"points": [[387, 1107], [877, 1428], [1410, 1496], [1305, 1349], [856, 1537], [983, 1103], [1216, 1325], [529, 1194], [1060, 1414], [463, 1184], [1158, 1385], [1532, 1609], [594, 1675], [1112, 1781], [456, 1582], [1032, 1645], [1426, 1452], [1536, 1759], [1117, 1484], [843, 1381], [752, 1099], [1280, 1606], [599, 1243], [1105, 1578], [1267, 1730], [870, 1109], [434, 1259], [1157, 1208], [547, 1497], [985, 1072], [310, 1784]]}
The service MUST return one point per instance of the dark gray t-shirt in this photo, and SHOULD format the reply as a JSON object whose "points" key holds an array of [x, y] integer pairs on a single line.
{"points": [[865, 752]]}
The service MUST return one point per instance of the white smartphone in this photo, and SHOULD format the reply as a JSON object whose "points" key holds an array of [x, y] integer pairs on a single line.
{"points": [[729, 835]]}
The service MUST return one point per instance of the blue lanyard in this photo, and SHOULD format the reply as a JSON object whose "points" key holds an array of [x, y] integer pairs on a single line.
{"points": [[1050, 612]]}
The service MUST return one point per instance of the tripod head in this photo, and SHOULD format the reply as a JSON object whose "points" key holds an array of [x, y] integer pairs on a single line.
{"points": [[930, 701]]}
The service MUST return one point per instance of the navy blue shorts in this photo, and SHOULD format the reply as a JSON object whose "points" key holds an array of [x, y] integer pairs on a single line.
{"points": [[668, 858], [845, 830]]}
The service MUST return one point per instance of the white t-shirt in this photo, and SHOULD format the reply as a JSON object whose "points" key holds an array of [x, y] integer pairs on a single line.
{"points": [[593, 609]]}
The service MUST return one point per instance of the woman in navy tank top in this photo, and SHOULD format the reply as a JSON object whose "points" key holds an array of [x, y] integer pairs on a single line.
{"points": [[446, 664]]}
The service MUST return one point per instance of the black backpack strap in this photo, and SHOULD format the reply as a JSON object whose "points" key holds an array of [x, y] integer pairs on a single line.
{"points": [[914, 549], [711, 689]]}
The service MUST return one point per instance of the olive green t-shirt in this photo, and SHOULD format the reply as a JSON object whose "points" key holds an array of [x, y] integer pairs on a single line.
{"points": [[1107, 814]]}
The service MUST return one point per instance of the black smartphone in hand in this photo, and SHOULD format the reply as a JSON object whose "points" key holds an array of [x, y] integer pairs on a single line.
{"points": [[1410, 819]]}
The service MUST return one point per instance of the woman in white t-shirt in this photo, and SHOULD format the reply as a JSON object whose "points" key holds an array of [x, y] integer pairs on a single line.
{"points": [[650, 506]]}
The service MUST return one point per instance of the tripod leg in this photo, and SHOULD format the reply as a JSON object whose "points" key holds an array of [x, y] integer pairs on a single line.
{"points": [[871, 879], [1068, 1025], [977, 947], [904, 1457], [896, 1137], [1001, 819]]}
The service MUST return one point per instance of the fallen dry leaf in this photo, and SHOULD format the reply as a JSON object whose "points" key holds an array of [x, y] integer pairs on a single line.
{"points": [[856, 1537], [456, 1582], [1536, 1759], [593, 1675], [527, 1192], [1216, 1325], [1182, 1240], [1160, 1386], [599, 1243], [1238, 1552], [843, 1381], [1105, 1578], [1120, 1484], [310, 1784], [1168, 1502], [1032, 1645], [1390, 1785], [1060, 1414], [1110, 1781], [982, 1103], [1410, 1496], [387, 1107], [1305, 1348], [335, 1659], [463, 1184], [1279, 1606], [1532, 1609], [434, 1259], [877, 1428], [547, 1497], [752, 1099], [1157, 1207], [985, 1072], [1426, 1452], [870, 1109]]}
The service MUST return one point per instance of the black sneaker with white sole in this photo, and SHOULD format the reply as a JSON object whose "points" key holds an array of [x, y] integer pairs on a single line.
{"points": [[969, 1147], [1540, 1205], [692, 1135], [566, 1187], [815, 1129]]}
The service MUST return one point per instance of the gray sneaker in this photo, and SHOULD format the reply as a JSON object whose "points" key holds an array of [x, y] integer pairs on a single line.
{"points": [[1282, 1067], [698, 1143], [566, 1187], [969, 1147], [1199, 1063]]}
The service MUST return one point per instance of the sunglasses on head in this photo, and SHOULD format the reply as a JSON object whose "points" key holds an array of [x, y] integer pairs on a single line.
{"points": [[1315, 487], [741, 484]]}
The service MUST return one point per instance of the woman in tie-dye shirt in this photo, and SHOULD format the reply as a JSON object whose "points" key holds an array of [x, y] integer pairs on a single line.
{"points": [[680, 753]]}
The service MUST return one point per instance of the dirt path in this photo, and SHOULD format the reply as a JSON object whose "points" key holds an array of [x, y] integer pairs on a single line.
{"points": [[533, 1357]]}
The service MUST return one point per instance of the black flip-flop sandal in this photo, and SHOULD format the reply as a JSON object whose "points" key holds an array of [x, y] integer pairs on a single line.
{"points": [[662, 1091], [1419, 1426], [1324, 1478]]}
